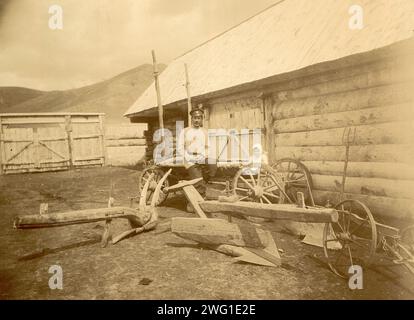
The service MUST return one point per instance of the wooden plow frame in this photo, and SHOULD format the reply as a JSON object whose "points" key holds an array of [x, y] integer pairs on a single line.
{"points": [[141, 219]]}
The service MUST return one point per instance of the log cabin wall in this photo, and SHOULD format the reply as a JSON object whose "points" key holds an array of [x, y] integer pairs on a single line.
{"points": [[376, 99], [305, 118]]}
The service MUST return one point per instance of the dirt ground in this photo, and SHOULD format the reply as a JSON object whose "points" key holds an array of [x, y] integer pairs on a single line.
{"points": [[157, 264]]}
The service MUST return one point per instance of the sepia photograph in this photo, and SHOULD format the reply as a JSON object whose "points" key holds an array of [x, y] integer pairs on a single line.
{"points": [[229, 151]]}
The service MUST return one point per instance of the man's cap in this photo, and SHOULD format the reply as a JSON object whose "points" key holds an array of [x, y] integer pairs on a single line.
{"points": [[196, 110]]}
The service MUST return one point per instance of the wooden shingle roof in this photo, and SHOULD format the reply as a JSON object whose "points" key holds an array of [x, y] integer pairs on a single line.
{"points": [[290, 35]]}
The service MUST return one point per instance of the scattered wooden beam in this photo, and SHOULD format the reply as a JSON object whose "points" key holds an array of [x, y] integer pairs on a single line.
{"points": [[273, 211], [135, 217], [182, 184], [195, 199], [244, 241], [218, 231]]}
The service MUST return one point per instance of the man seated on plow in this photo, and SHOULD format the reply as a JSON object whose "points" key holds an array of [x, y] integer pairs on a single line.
{"points": [[193, 148]]}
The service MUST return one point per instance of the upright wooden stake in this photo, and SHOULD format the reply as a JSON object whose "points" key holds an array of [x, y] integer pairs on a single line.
{"points": [[102, 139], [187, 86], [68, 129], [157, 89]]}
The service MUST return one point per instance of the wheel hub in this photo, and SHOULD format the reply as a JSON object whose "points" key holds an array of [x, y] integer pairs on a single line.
{"points": [[258, 191], [344, 236], [152, 185]]}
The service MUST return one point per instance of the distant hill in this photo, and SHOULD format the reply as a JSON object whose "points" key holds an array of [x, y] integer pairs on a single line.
{"points": [[10, 96], [113, 96]]}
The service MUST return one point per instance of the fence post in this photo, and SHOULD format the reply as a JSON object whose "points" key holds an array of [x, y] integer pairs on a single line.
{"points": [[68, 129], [102, 138]]}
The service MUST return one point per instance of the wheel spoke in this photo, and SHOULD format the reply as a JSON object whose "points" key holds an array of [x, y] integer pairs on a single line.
{"points": [[247, 182], [267, 200], [288, 171], [359, 226], [270, 187], [271, 195], [342, 229], [251, 176], [349, 221], [350, 255], [265, 179]]}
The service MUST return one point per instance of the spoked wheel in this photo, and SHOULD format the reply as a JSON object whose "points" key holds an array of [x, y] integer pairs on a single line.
{"points": [[158, 174], [262, 185], [354, 237], [296, 178]]}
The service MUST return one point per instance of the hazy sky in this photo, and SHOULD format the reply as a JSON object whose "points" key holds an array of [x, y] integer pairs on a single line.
{"points": [[101, 38]]}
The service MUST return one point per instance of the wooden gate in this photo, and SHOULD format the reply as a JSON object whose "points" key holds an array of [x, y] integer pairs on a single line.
{"points": [[87, 140], [46, 142]]}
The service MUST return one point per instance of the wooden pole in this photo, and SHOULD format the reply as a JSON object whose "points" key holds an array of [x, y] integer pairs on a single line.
{"points": [[102, 139], [157, 89], [68, 129], [187, 86]]}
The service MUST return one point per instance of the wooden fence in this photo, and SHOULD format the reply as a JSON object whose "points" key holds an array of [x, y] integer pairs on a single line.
{"points": [[125, 144], [59, 141]]}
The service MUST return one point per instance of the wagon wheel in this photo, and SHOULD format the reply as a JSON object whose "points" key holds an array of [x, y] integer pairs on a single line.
{"points": [[296, 177], [158, 174], [354, 236], [262, 185]]}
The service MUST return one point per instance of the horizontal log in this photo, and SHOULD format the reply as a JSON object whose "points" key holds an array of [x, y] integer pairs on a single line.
{"points": [[400, 153], [366, 186], [344, 101], [125, 142], [369, 116], [384, 133], [316, 75], [386, 170], [365, 80], [137, 218], [380, 206], [272, 211]]}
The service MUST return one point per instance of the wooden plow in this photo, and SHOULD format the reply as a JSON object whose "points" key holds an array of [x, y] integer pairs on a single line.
{"points": [[141, 219], [245, 241]]}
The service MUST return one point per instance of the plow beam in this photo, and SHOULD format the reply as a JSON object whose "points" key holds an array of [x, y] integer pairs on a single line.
{"points": [[135, 217], [290, 212]]}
